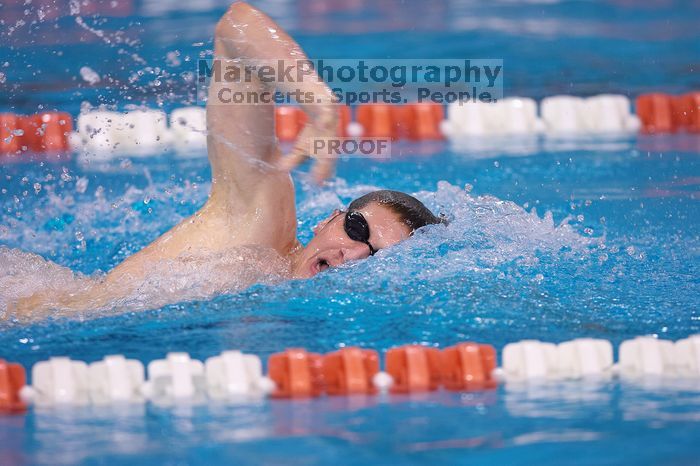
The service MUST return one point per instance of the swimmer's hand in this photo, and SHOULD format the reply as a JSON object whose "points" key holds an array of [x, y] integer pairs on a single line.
{"points": [[246, 34], [322, 125]]}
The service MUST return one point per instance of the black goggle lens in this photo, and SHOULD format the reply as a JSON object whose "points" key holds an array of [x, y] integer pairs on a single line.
{"points": [[357, 229]]}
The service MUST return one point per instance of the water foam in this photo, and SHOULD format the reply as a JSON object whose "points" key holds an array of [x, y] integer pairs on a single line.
{"points": [[484, 234], [483, 231], [24, 274], [32, 287]]}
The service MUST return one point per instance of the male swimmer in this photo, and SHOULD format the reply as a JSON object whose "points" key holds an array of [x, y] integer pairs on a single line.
{"points": [[251, 205]]}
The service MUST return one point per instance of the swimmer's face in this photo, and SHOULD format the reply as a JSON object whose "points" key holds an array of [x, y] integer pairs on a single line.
{"points": [[331, 246]]}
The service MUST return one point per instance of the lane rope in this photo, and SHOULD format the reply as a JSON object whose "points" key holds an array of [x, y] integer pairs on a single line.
{"points": [[145, 132], [296, 373]]}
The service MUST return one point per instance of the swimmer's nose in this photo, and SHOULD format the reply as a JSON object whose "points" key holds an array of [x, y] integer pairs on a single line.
{"points": [[356, 252]]}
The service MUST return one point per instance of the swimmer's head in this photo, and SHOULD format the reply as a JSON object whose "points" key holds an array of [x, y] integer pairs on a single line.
{"points": [[375, 221]]}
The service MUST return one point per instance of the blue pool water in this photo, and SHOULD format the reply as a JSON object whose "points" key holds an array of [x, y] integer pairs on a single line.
{"points": [[548, 240]]}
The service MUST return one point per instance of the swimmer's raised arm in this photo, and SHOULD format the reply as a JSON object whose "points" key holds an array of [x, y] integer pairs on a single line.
{"points": [[251, 203], [248, 34], [245, 37]]}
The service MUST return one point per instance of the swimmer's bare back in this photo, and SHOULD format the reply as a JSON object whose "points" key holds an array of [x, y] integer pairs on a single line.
{"points": [[251, 205]]}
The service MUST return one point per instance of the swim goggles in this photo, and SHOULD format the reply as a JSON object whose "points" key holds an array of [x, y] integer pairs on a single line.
{"points": [[357, 228]]}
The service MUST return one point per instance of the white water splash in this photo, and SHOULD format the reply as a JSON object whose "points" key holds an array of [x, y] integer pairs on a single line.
{"points": [[89, 75], [33, 288], [484, 232], [23, 274], [488, 231]]}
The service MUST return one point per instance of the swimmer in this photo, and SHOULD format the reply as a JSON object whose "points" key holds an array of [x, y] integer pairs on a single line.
{"points": [[250, 215]]}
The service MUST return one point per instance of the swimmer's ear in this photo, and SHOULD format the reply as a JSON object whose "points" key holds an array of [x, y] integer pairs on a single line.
{"points": [[324, 222]]}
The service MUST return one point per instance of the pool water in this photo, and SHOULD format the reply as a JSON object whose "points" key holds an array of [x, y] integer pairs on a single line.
{"points": [[550, 240]]}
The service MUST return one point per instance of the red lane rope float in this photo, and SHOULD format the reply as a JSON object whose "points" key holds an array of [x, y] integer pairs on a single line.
{"points": [[39, 133], [422, 121], [51, 131], [350, 371], [686, 112], [12, 379], [379, 120], [663, 113], [9, 139], [414, 368], [31, 137], [468, 366], [655, 113], [289, 121], [414, 121], [296, 373]]}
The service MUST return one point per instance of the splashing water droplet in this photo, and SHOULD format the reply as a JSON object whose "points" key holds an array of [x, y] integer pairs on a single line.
{"points": [[81, 185], [89, 75]]}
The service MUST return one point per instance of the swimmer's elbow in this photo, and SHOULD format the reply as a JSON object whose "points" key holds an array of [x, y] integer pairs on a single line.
{"points": [[241, 8], [239, 14]]}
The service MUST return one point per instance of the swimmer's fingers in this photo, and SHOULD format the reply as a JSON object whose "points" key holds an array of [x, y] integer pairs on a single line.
{"points": [[323, 168], [322, 127], [297, 156], [327, 127]]}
